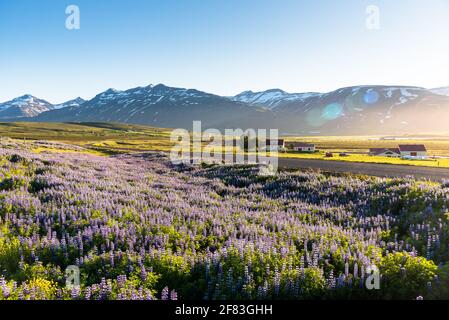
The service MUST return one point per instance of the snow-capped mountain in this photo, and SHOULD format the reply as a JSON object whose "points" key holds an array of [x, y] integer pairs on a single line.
{"points": [[355, 110], [351, 110], [272, 98], [359, 97], [71, 103], [24, 106], [442, 91], [28, 106], [162, 106], [367, 110]]}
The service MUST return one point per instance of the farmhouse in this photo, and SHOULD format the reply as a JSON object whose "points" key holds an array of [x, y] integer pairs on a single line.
{"points": [[275, 145], [385, 152], [301, 146], [404, 150], [413, 150]]}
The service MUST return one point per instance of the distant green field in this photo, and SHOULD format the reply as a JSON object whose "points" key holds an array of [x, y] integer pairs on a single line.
{"points": [[111, 138], [106, 137], [79, 132], [436, 145]]}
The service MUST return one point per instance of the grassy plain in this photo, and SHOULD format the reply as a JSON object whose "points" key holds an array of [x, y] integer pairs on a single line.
{"points": [[437, 145], [112, 138]]}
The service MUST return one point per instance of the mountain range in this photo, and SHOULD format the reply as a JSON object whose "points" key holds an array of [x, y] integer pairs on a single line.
{"points": [[28, 106], [350, 110]]}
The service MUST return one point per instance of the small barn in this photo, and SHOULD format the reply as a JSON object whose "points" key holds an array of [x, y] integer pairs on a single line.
{"points": [[385, 152], [413, 150], [301, 146]]}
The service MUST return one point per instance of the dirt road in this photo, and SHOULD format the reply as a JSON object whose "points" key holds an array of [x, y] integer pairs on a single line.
{"points": [[373, 169]]}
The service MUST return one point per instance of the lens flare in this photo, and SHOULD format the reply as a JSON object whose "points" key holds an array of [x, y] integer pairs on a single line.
{"points": [[314, 117], [332, 111], [371, 97]]}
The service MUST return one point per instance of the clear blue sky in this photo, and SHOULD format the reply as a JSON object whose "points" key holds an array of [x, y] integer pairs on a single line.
{"points": [[219, 46]]}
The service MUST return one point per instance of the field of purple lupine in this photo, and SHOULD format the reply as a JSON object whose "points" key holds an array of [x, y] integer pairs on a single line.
{"points": [[139, 227]]}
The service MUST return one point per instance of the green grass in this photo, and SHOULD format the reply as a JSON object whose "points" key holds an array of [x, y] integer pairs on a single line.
{"points": [[358, 147], [113, 138], [443, 163], [79, 132], [61, 150], [106, 138], [436, 145]]}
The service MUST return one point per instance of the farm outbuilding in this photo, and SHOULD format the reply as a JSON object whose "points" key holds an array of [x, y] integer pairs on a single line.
{"points": [[301, 146], [404, 151], [385, 152]]}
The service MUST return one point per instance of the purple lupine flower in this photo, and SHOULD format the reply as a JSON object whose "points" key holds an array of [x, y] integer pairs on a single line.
{"points": [[115, 212], [165, 294]]}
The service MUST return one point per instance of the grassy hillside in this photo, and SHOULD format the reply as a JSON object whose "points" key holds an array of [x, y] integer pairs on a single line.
{"points": [[77, 132], [109, 137]]}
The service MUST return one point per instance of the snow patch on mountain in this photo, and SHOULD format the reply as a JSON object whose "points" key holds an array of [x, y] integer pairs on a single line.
{"points": [[24, 106], [149, 95], [71, 103], [444, 91], [272, 98]]}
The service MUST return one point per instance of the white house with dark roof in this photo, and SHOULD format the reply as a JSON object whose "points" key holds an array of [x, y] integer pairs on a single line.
{"points": [[385, 152], [301, 146], [404, 151], [413, 150]]}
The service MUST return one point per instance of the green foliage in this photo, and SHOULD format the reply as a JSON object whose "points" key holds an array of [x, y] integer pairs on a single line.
{"points": [[313, 283], [35, 289], [405, 276], [12, 183], [37, 184], [15, 158], [9, 256]]}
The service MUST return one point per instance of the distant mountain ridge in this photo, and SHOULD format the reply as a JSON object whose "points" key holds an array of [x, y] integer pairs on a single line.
{"points": [[162, 106], [24, 106], [28, 106], [71, 103], [443, 91], [351, 110], [368, 110]]}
